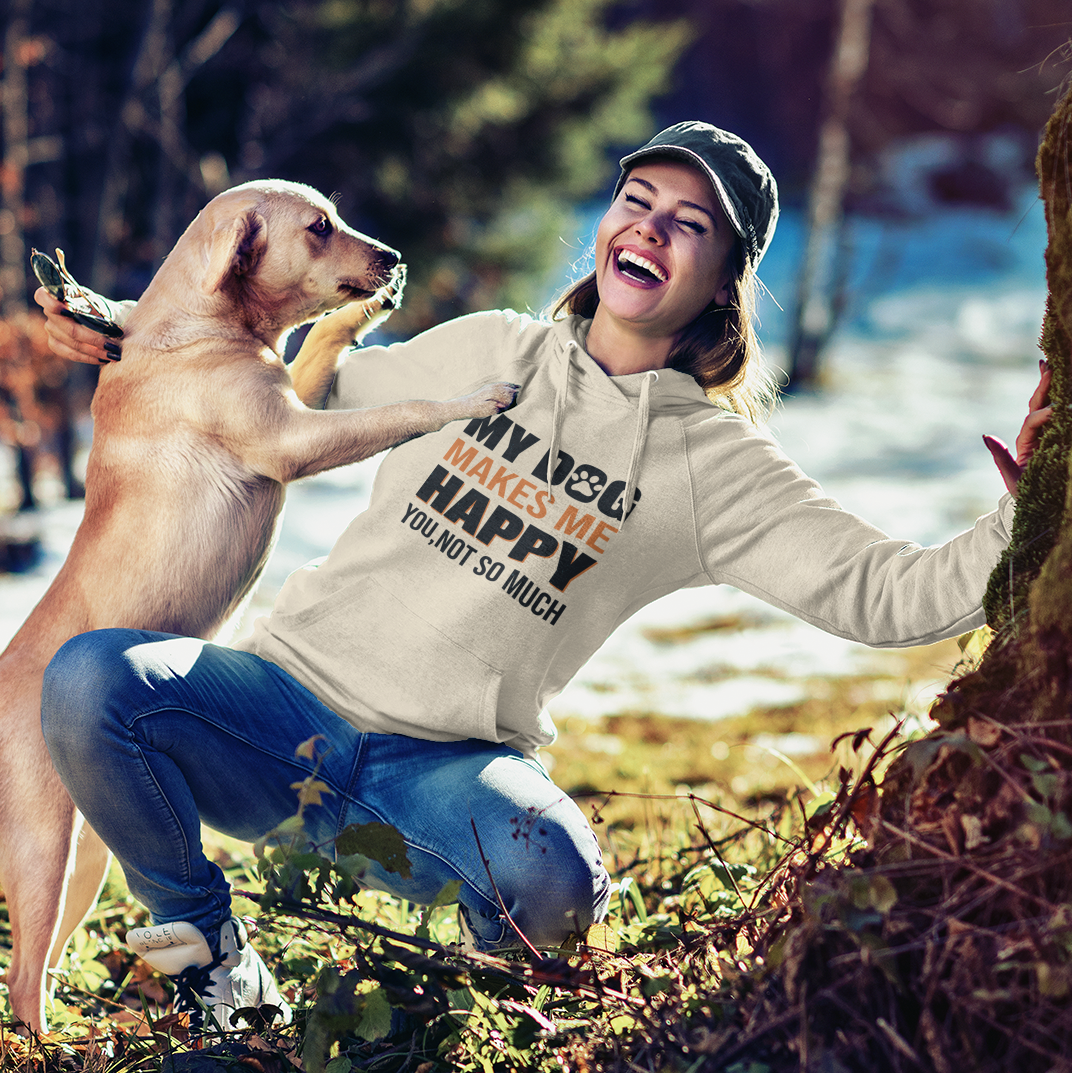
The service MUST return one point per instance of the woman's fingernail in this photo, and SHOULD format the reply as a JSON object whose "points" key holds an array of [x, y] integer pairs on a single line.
{"points": [[67, 313], [1043, 365], [113, 350]]}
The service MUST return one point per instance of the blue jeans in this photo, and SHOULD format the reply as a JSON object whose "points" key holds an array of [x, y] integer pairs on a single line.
{"points": [[153, 733]]}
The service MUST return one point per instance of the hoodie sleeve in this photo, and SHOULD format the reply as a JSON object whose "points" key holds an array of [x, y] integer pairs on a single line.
{"points": [[765, 527], [451, 359]]}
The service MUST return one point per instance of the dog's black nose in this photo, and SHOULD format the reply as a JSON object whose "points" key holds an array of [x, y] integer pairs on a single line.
{"points": [[389, 258]]}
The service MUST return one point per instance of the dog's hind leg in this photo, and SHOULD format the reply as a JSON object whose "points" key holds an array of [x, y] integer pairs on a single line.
{"points": [[87, 870]]}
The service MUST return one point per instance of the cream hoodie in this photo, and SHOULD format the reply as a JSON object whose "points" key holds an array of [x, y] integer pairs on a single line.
{"points": [[480, 579]]}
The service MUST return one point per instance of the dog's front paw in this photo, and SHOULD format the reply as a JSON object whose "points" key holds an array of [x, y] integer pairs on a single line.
{"points": [[390, 294], [493, 399]]}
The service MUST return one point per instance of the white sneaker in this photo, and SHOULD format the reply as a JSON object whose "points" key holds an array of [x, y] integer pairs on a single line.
{"points": [[231, 980]]}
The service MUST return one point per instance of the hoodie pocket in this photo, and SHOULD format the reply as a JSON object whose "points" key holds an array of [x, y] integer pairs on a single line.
{"points": [[372, 656]]}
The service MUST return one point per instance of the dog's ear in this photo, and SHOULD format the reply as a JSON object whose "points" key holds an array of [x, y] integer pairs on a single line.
{"points": [[235, 249]]}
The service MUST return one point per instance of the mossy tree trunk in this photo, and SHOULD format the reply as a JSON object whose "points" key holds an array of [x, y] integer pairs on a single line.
{"points": [[975, 821], [946, 944], [1025, 674]]}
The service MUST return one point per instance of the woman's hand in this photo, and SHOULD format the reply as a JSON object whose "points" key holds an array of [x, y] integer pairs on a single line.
{"points": [[71, 340], [1038, 413]]}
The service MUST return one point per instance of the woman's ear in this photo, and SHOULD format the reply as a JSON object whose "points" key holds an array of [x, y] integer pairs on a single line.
{"points": [[733, 275], [724, 294]]}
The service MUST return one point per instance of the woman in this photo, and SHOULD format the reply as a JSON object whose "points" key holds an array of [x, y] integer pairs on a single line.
{"points": [[493, 560]]}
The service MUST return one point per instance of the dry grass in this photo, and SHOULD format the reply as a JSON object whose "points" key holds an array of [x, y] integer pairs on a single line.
{"points": [[634, 773]]}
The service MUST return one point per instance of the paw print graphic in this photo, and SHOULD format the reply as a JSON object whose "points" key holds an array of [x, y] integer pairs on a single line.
{"points": [[585, 483]]}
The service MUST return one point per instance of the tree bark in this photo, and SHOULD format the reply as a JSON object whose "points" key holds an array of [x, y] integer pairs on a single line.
{"points": [[818, 285]]}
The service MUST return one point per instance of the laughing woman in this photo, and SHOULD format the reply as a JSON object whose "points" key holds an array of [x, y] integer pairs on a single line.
{"points": [[493, 560]]}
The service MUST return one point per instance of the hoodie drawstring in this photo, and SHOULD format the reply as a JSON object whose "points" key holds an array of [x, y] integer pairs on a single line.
{"points": [[640, 437], [557, 411]]}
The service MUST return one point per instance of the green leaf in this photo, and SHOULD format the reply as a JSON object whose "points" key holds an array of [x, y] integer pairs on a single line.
{"points": [[729, 876], [354, 866], [529, 1025], [447, 895], [1032, 763], [375, 1020], [292, 825], [975, 644], [380, 842], [89, 974], [299, 967], [628, 889], [306, 861], [1060, 826], [860, 891], [656, 985], [882, 894], [1047, 783], [602, 936], [920, 754], [310, 791]]}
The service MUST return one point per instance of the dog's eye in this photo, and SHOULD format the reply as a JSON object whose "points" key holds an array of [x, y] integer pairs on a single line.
{"points": [[322, 226]]}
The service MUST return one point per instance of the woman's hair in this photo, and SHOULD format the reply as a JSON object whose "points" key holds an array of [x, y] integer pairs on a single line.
{"points": [[719, 349]]}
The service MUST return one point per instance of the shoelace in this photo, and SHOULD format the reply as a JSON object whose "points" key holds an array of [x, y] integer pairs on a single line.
{"points": [[192, 990]]}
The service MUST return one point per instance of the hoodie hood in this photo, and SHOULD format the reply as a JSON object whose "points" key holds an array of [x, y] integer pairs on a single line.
{"points": [[655, 389], [676, 389]]}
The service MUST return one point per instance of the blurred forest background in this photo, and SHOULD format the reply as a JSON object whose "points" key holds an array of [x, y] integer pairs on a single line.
{"points": [[470, 134]]}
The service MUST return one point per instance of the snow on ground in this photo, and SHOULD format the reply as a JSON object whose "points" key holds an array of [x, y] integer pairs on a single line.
{"points": [[939, 347]]}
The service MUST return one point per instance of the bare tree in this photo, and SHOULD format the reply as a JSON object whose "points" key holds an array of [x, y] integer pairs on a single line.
{"points": [[818, 283]]}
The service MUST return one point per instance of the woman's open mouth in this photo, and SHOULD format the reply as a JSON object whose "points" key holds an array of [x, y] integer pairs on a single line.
{"points": [[639, 269]]}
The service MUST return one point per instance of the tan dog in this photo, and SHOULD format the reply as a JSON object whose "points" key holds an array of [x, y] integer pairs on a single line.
{"points": [[196, 432]]}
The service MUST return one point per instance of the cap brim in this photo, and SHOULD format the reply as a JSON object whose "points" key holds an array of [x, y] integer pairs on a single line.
{"points": [[697, 161]]}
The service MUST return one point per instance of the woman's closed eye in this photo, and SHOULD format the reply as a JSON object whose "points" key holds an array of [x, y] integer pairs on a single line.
{"points": [[688, 223]]}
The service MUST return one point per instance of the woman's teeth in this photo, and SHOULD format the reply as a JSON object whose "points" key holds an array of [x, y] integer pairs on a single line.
{"points": [[632, 264]]}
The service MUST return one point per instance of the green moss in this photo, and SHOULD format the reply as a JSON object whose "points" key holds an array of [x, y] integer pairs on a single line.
{"points": [[1042, 493]]}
